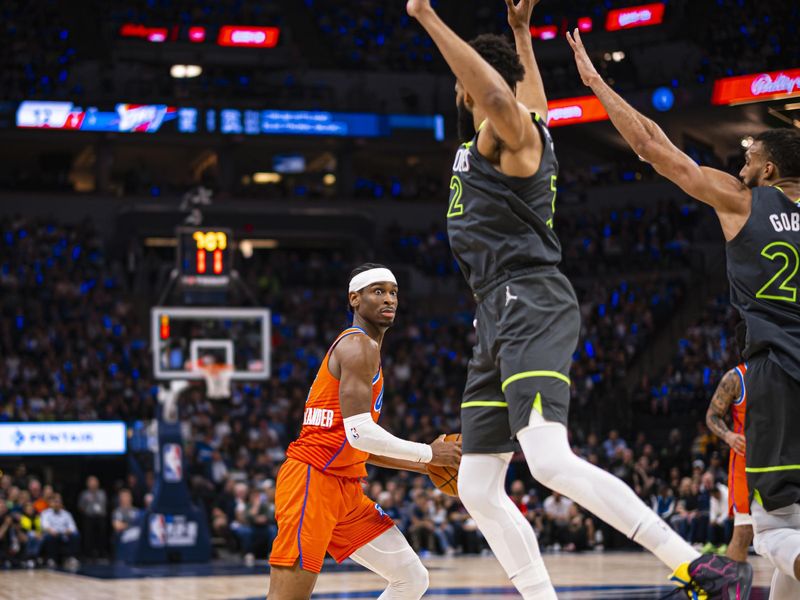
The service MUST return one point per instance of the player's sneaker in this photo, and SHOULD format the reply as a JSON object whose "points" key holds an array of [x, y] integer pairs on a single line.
{"points": [[713, 577]]}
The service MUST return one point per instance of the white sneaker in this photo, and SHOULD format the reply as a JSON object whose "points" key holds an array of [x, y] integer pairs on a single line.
{"points": [[249, 559]]}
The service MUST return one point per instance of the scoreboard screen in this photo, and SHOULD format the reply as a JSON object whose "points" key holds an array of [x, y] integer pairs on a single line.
{"points": [[204, 256]]}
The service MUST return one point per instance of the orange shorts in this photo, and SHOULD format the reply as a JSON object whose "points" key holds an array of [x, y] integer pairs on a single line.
{"points": [[738, 493], [319, 513]]}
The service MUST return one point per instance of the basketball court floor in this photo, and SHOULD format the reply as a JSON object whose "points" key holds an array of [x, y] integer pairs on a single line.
{"points": [[600, 576]]}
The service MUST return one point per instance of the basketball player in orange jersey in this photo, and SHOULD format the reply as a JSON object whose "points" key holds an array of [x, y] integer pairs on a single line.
{"points": [[731, 395], [319, 503]]}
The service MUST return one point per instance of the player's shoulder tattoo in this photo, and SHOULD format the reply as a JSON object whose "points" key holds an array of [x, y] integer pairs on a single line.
{"points": [[727, 391]]}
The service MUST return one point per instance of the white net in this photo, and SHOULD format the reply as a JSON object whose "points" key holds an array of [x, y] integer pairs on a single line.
{"points": [[218, 381]]}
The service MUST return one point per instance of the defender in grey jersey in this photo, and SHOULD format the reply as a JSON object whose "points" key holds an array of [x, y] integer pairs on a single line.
{"points": [[760, 219], [500, 220], [501, 234]]}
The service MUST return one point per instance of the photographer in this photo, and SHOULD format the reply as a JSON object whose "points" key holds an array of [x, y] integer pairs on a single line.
{"points": [[32, 526], [12, 537]]}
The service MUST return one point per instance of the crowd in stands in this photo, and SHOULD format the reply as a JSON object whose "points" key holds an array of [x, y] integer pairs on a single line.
{"points": [[34, 525], [726, 37], [37, 52], [742, 37], [74, 346], [683, 482], [704, 354], [166, 13]]}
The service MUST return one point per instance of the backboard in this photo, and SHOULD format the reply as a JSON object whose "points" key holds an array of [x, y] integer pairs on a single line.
{"points": [[182, 337]]}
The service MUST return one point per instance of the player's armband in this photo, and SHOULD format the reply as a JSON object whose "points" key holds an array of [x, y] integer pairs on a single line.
{"points": [[366, 435]]}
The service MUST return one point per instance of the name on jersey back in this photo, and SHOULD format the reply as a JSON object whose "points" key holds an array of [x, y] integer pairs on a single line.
{"points": [[785, 221], [461, 164], [318, 417]]}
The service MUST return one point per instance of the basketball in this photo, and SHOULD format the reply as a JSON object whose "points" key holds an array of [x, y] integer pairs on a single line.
{"points": [[446, 478]]}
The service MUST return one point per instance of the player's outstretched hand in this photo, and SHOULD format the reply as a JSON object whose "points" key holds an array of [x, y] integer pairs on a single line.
{"points": [[737, 442], [585, 67], [446, 454], [519, 14], [416, 7]]}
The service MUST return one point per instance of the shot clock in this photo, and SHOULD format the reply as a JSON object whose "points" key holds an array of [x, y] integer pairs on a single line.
{"points": [[204, 256]]}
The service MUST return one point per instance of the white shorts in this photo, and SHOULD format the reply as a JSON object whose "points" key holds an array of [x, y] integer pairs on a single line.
{"points": [[741, 519]]}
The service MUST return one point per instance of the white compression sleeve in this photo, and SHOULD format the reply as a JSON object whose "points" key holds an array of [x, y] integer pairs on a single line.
{"points": [[481, 480], [390, 556], [783, 587], [554, 465], [366, 435]]}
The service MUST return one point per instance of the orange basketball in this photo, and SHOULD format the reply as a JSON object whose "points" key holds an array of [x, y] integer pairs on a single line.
{"points": [[445, 478]]}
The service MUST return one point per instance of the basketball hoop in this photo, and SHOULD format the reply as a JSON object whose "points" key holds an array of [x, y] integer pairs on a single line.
{"points": [[218, 380]]}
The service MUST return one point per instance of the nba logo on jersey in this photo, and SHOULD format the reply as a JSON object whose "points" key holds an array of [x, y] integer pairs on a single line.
{"points": [[173, 463], [158, 531]]}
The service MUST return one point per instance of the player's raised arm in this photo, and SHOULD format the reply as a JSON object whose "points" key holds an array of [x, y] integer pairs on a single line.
{"points": [[727, 392], [483, 83], [358, 357], [530, 91], [729, 196]]}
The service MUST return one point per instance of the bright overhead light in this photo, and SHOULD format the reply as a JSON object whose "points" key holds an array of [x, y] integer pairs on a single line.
{"points": [[266, 177], [747, 141], [618, 56], [246, 247], [329, 179], [185, 71]]}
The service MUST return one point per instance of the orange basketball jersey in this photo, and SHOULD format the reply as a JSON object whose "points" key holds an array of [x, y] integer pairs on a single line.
{"points": [[738, 495], [322, 442]]}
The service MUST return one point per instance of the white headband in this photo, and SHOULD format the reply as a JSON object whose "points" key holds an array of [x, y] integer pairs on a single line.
{"points": [[362, 280]]}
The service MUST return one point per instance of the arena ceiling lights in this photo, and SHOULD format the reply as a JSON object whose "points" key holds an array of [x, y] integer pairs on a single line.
{"points": [[185, 71], [757, 87]]}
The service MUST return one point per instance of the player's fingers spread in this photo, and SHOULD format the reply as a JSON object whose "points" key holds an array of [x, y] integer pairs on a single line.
{"points": [[570, 41]]}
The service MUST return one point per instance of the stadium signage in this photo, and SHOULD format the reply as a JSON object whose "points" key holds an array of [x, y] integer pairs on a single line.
{"points": [[635, 16], [34, 114], [757, 87], [151, 118], [172, 531], [197, 34], [571, 111], [250, 37], [545, 32], [151, 34], [62, 438]]}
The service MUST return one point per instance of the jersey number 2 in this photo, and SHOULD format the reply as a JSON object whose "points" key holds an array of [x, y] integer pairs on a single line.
{"points": [[791, 262], [456, 208]]}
